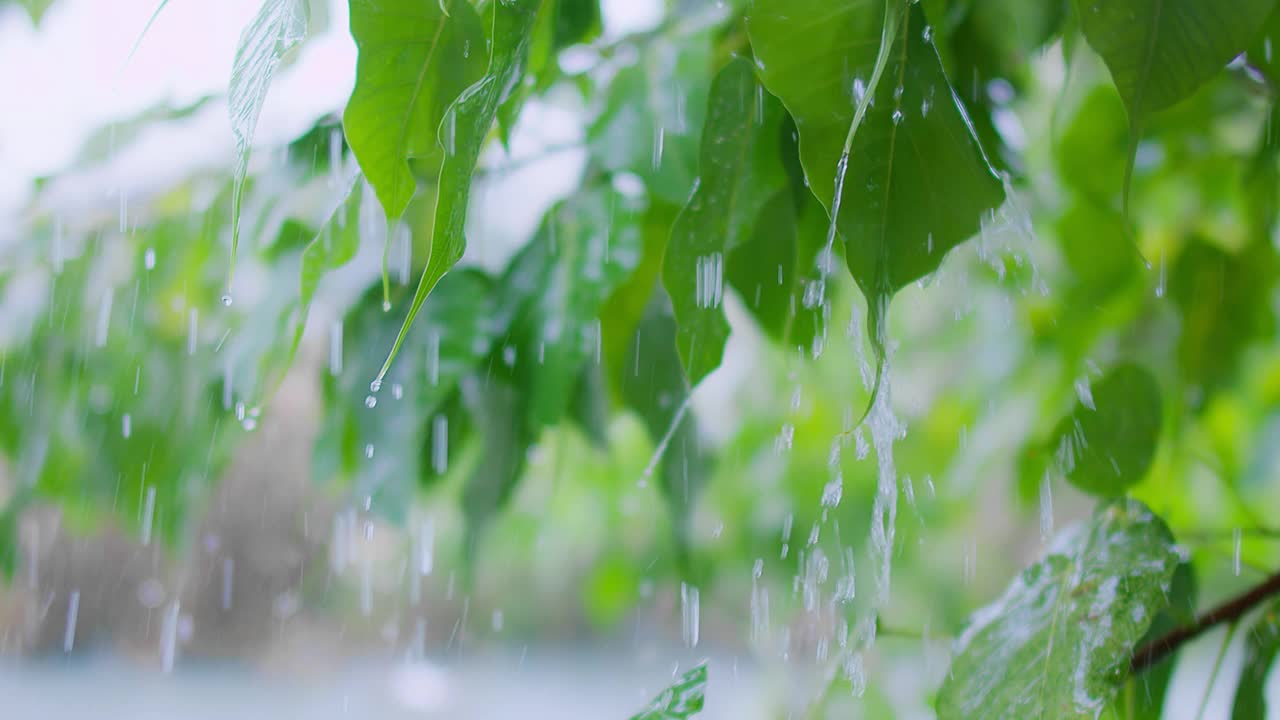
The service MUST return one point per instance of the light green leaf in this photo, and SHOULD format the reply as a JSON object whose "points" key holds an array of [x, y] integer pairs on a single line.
{"points": [[682, 700], [277, 28], [416, 57], [1260, 651], [739, 168], [865, 86], [1160, 51], [1057, 643], [1106, 444], [463, 133]]}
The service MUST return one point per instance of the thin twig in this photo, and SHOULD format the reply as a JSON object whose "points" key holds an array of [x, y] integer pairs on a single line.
{"points": [[1229, 611]]}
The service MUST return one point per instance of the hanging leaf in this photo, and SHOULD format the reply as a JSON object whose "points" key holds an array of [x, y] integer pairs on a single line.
{"points": [[1260, 651], [587, 246], [277, 28], [738, 169], [414, 59], [682, 700], [463, 132], [1152, 683], [655, 386], [1057, 643], [1160, 51], [378, 431], [1106, 444], [884, 143]]}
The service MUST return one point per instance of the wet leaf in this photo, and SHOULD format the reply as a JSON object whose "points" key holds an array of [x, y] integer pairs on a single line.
{"points": [[1260, 650], [825, 60], [463, 132], [1106, 444], [739, 168], [379, 431], [655, 387], [1057, 643], [682, 700], [587, 246], [414, 60], [277, 28], [1153, 682], [1160, 51], [652, 117]]}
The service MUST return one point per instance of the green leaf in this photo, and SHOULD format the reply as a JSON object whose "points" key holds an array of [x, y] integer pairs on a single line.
{"points": [[500, 408], [867, 90], [654, 385], [1153, 682], [464, 130], [1057, 643], [1106, 444], [379, 430], [1260, 651], [1225, 304], [586, 247], [1160, 51], [736, 176], [415, 58], [682, 700], [652, 116], [277, 28], [333, 247], [589, 407]]}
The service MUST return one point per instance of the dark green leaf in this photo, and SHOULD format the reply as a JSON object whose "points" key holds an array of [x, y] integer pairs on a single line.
{"points": [[277, 28], [500, 408], [1106, 444], [463, 132], [1160, 51], [916, 183], [1260, 650], [414, 60], [739, 168], [681, 701], [589, 407], [1057, 643], [1153, 682], [560, 23]]}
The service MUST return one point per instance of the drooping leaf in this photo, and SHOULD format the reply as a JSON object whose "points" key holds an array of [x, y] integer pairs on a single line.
{"points": [[682, 700], [463, 132], [652, 116], [739, 168], [498, 406], [1260, 651], [1107, 442], [655, 387], [884, 143], [1160, 51], [332, 248], [1057, 643], [414, 59], [1153, 682], [587, 245], [277, 28], [378, 431]]}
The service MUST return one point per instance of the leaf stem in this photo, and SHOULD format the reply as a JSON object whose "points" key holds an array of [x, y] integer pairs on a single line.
{"points": [[1230, 611]]}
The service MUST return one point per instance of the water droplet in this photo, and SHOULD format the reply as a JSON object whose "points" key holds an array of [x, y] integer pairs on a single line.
{"points": [[897, 117], [370, 401], [689, 614], [149, 259], [375, 385], [368, 451], [386, 306], [226, 300]]}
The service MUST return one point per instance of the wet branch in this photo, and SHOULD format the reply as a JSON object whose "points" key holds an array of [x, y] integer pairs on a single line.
{"points": [[1229, 611]]}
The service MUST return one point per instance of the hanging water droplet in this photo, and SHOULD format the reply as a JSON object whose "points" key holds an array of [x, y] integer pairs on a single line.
{"points": [[386, 306]]}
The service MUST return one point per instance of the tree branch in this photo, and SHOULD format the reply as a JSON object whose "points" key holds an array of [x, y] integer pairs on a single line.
{"points": [[1229, 611]]}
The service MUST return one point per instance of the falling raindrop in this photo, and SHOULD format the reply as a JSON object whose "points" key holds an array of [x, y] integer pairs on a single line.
{"points": [[226, 300], [370, 401], [689, 614], [73, 612], [1236, 539]]}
